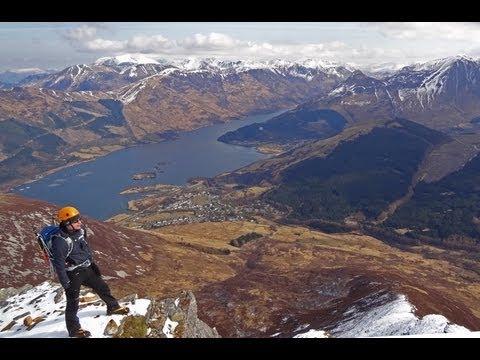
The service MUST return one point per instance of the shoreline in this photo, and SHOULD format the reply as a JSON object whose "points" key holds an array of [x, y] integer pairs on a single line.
{"points": [[8, 188], [12, 187]]}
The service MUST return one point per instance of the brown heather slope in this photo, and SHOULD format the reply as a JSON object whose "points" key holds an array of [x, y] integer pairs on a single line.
{"points": [[41, 130], [185, 102], [291, 272], [124, 254], [308, 274]]}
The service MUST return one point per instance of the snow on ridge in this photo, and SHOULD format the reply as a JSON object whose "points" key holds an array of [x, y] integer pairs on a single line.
{"points": [[312, 334], [39, 301], [224, 66], [394, 318], [438, 63], [126, 59], [132, 92]]}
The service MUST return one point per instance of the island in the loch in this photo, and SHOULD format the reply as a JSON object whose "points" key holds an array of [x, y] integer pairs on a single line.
{"points": [[144, 175]]}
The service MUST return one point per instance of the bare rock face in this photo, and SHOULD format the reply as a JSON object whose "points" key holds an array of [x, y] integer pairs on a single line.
{"points": [[9, 326], [89, 297], [129, 299], [177, 317], [111, 328], [58, 295], [11, 291], [35, 321], [28, 321], [165, 318]]}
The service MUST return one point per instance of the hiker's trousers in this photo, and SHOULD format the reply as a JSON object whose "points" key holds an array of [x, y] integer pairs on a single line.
{"points": [[89, 278]]}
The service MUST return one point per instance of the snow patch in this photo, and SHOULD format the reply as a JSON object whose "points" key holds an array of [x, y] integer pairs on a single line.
{"points": [[169, 327], [121, 274], [312, 334], [39, 301], [126, 59]]}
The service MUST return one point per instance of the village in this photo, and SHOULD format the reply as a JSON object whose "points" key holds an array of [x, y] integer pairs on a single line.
{"points": [[196, 202]]}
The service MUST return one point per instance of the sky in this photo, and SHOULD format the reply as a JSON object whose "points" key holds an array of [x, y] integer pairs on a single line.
{"points": [[57, 45]]}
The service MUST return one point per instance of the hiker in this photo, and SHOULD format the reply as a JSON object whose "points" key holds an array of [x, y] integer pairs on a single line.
{"points": [[74, 265]]}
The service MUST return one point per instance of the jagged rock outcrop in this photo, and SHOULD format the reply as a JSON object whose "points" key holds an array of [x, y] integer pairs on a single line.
{"points": [[11, 291], [167, 318], [111, 328]]}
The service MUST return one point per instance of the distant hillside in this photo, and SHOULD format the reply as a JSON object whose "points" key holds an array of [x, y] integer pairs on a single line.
{"points": [[443, 95], [359, 177], [13, 77], [289, 127], [447, 209]]}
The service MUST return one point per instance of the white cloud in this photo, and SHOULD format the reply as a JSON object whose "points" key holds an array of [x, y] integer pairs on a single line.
{"points": [[212, 44], [148, 43], [81, 34], [104, 45], [209, 42], [405, 44], [430, 30]]}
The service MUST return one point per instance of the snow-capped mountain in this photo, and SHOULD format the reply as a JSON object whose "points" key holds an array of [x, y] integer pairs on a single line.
{"points": [[125, 59], [111, 72], [15, 76], [98, 76], [443, 94], [432, 83], [154, 97]]}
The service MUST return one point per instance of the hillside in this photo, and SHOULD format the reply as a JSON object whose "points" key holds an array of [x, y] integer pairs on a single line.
{"points": [[310, 279], [442, 95]]}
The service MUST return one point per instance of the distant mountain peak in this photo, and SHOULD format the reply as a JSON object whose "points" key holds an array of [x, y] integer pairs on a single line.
{"points": [[138, 59]]}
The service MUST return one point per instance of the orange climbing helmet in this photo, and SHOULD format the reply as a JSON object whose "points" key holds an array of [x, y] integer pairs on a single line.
{"points": [[67, 214]]}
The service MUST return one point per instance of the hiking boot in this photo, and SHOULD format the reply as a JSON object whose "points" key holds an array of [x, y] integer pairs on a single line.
{"points": [[121, 310], [81, 333]]}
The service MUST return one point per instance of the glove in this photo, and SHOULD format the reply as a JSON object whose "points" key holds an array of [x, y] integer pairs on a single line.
{"points": [[95, 269], [66, 285]]}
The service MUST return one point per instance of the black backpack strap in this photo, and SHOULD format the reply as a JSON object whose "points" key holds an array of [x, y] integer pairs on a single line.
{"points": [[68, 240]]}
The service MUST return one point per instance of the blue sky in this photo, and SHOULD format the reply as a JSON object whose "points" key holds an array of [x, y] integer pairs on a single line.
{"points": [[57, 45]]}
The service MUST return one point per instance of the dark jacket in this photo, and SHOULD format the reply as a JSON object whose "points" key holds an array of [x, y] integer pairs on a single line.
{"points": [[79, 255]]}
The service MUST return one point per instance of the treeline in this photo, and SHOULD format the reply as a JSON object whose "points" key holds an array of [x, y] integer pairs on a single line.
{"points": [[364, 175], [290, 126], [243, 239], [448, 209]]}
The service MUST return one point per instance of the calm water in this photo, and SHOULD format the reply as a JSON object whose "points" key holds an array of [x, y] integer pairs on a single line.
{"points": [[94, 187]]}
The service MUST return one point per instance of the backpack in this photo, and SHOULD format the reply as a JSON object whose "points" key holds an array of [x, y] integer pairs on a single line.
{"points": [[44, 238]]}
